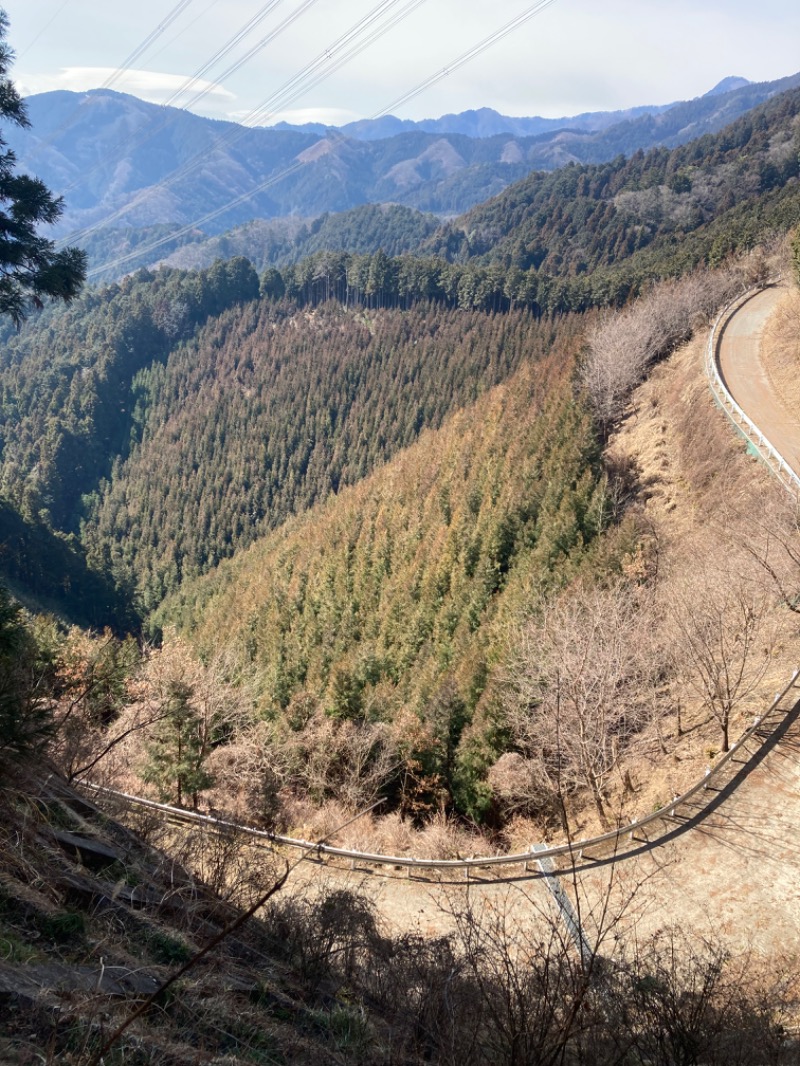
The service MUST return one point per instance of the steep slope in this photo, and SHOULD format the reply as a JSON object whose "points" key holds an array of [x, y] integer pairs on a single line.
{"points": [[364, 230], [272, 409], [584, 235], [94, 919], [395, 595], [585, 218]]}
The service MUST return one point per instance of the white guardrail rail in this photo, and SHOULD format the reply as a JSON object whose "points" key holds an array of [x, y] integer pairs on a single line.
{"points": [[743, 424], [614, 842], [576, 851]]}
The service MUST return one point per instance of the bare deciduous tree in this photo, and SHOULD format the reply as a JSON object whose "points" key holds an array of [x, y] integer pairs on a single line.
{"points": [[581, 686], [337, 759], [723, 636], [773, 542], [620, 349]]}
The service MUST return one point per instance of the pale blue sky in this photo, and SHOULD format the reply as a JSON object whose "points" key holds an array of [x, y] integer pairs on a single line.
{"points": [[576, 55]]}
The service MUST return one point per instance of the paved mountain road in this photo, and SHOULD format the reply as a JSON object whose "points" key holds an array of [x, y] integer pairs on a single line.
{"points": [[748, 380]]}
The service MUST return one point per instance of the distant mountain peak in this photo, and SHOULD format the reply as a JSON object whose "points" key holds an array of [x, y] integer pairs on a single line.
{"points": [[727, 85]]}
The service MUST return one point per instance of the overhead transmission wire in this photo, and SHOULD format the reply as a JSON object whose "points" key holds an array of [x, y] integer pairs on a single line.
{"points": [[150, 39], [286, 94], [42, 31], [253, 51], [168, 44], [154, 127], [221, 52], [312, 75], [274, 179], [465, 57], [137, 53]]}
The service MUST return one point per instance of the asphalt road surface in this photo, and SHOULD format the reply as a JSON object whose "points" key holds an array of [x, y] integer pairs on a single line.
{"points": [[748, 381]]}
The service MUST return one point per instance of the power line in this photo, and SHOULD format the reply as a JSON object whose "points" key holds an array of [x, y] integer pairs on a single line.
{"points": [[299, 85], [239, 36], [153, 128], [290, 91], [141, 48], [180, 33], [254, 50], [137, 53], [42, 31], [467, 56]]}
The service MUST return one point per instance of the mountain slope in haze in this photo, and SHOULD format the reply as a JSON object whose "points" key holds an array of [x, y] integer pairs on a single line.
{"points": [[107, 152], [598, 225], [484, 122], [700, 200], [581, 237]]}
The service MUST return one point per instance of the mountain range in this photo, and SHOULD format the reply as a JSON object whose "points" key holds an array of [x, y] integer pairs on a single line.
{"points": [[125, 165]]}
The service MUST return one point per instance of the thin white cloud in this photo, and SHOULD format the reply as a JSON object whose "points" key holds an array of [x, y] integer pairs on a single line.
{"points": [[328, 116], [152, 85]]}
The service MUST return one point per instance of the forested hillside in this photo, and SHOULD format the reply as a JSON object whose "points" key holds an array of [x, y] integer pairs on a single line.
{"points": [[270, 410], [581, 237], [421, 537], [171, 168], [212, 369], [722, 187], [390, 604]]}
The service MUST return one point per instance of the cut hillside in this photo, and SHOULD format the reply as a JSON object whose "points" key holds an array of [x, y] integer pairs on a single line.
{"points": [[781, 350], [93, 921], [697, 490]]}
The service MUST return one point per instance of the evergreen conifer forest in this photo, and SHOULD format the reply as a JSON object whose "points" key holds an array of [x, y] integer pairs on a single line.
{"points": [[359, 471], [423, 536]]}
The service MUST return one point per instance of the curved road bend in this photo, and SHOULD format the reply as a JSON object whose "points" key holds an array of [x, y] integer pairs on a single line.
{"points": [[749, 383]]}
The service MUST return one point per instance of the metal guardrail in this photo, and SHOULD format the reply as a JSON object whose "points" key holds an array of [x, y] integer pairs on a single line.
{"points": [[742, 422], [574, 851]]}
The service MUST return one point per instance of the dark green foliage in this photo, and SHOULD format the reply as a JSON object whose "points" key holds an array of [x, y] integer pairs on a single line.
{"points": [[52, 572], [270, 411], [66, 927], [582, 218], [593, 234], [167, 949], [389, 228], [392, 602], [31, 268], [66, 409], [178, 752], [25, 712]]}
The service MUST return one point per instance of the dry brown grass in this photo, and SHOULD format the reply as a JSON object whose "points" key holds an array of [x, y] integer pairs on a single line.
{"points": [[699, 491]]}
